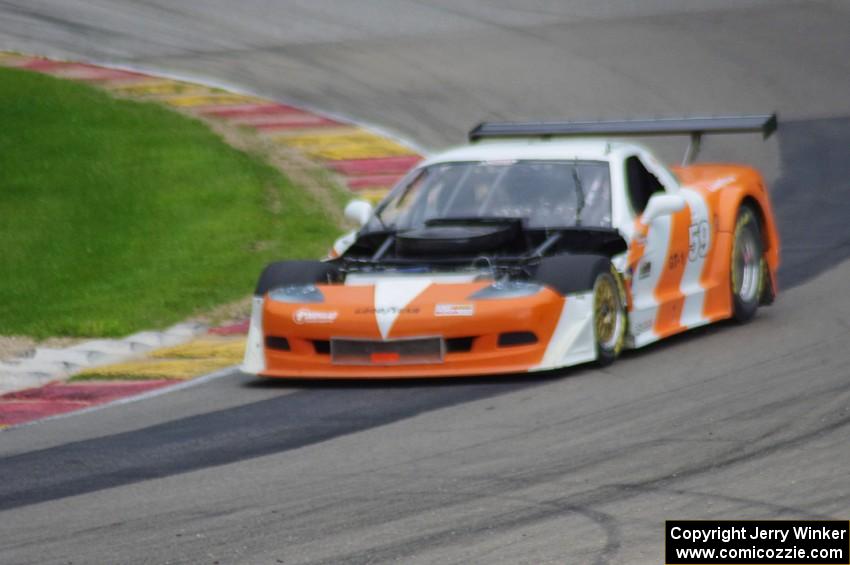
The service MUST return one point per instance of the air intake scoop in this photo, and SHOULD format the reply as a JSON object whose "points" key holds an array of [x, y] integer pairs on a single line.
{"points": [[449, 237]]}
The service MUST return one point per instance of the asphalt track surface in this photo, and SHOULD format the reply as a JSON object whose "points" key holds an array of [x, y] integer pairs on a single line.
{"points": [[725, 422]]}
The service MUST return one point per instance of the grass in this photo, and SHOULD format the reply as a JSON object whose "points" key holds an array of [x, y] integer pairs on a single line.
{"points": [[117, 216]]}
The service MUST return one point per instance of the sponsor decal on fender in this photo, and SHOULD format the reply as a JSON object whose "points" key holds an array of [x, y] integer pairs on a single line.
{"points": [[387, 310], [307, 316], [454, 309]]}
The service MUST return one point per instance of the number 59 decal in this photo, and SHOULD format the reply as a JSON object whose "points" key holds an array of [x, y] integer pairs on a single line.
{"points": [[700, 237]]}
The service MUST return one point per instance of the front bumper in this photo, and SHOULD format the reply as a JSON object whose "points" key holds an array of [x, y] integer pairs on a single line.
{"points": [[491, 337]]}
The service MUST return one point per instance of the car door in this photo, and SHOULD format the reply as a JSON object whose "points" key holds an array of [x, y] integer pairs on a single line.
{"points": [[666, 252]]}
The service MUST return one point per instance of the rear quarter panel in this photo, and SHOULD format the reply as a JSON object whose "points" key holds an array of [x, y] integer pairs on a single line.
{"points": [[725, 188]]}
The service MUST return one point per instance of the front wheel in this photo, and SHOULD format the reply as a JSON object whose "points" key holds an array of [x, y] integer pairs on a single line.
{"points": [[609, 317], [747, 269]]}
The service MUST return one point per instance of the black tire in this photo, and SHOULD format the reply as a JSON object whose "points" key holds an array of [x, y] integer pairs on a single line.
{"points": [[609, 316], [285, 273], [747, 266]]}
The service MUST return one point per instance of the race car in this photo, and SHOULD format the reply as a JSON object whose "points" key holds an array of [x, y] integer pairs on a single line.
{"points": [[535, 247]]}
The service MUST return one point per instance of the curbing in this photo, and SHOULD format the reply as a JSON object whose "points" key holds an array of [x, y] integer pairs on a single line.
{"points": [[366, 159], [48, 364]]}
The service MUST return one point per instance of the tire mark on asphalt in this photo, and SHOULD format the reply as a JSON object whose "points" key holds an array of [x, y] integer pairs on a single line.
{"points": [[270, 426], [585, 502], [775, 509], [397, 551], [740, 451], [496, 488]]}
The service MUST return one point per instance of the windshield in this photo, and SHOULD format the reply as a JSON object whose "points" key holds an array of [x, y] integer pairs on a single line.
{"points": [[546, 194]]}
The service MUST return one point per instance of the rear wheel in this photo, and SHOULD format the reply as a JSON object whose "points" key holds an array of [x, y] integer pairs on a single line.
{"points": [[747, 269], [609, 317]]}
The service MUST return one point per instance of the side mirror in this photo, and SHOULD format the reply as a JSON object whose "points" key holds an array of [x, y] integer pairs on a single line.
{"points": [[359, 212], [662, 205]]}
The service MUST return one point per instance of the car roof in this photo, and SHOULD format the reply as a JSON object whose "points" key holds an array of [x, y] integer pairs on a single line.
{"points": [[589, 149]]}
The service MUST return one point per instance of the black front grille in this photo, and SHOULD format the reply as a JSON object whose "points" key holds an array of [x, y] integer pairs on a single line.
{"points": [[459, 344], [516, 338], [278, 343], [322, 346]]}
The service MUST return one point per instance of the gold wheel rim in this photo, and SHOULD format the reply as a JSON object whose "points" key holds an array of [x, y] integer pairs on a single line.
{"points": [[605, 310]]}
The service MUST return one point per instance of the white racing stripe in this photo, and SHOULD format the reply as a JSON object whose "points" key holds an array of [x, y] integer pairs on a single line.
{"points": [[255, 359], [392, 295], [644, 304], [572, 342], [395, 291], [699, 233]]}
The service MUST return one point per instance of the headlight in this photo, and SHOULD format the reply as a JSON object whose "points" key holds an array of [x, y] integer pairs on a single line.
{"points": [[507, 289], [297, 294]]}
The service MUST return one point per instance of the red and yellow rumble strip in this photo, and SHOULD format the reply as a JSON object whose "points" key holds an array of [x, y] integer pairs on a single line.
{"points": [[366, 162], [58, 398], [160, 368]]}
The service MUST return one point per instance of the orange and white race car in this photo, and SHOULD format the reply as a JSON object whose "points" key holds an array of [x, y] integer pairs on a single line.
{"points": [[535, 247]]}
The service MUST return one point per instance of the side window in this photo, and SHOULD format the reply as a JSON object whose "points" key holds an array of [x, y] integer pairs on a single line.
{"points": [[641, 184]]}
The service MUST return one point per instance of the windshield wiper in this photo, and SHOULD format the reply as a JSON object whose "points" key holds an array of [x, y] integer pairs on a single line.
{"points": [[579, 194]]}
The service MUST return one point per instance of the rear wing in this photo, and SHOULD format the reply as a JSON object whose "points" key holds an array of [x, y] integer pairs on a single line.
{"points": [[694, 127]]}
